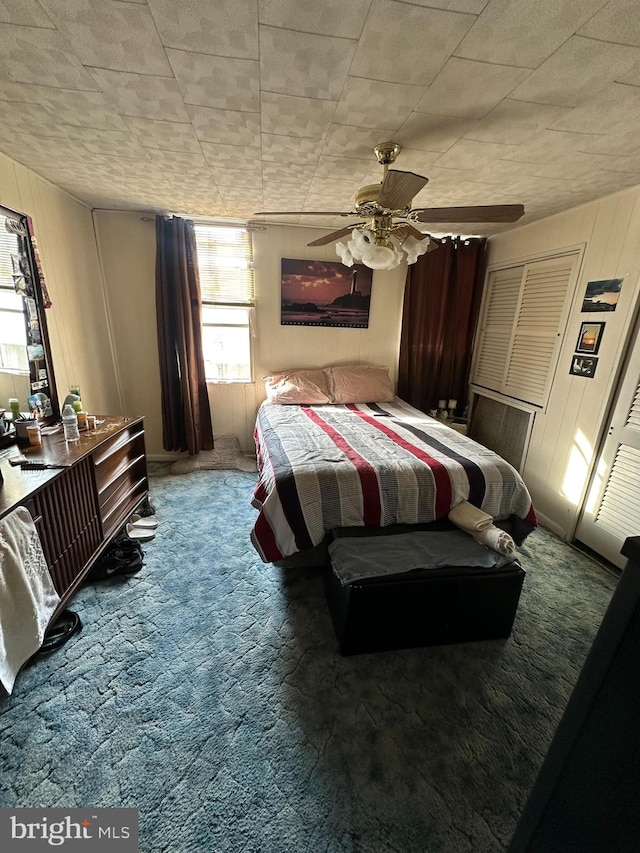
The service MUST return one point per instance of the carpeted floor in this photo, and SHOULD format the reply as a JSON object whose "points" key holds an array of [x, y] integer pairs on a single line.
{"points": [[207, 692]]}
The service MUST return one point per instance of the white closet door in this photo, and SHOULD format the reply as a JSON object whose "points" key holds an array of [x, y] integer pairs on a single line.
{"points": [[612, 508]]}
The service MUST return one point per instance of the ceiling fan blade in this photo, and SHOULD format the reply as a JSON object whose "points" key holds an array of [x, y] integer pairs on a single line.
{"points": [[334, 235], [406, 229], [306, 213], [399, 188], [479, 213]]}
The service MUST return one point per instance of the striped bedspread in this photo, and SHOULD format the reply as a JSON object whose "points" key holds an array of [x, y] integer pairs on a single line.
{"points": [[368, 464]]}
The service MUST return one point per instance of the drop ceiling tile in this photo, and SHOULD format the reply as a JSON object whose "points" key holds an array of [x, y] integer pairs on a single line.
{"points": [[311, 66], [21, 92], [409, 160], [505, 172], [577, 165], [615, 23], [290, 149], [142, 96], [185, 162], [111, 142], [617, 107], [29, 118], [230, 127], [394, 48], [237, 178], [617, 144], [322, 202], [469, 89], [217, 81], [240, 196], [110, 34], [468, 154], [474, 193], [34, 55], [577, 71], [632, 78], [522, 33], [434, 133], [346, 168], [26, 13], [222, 28], [621, 164], [89, 109], [293, 116], [69, 106], [550, 146], [334, 188], [474, 7], [329, 18], [347, 141], [232, 156], [369, 103], [279, 196], [442, 181], [288, 173], [165, 135], [515, 122], [530, 187]]}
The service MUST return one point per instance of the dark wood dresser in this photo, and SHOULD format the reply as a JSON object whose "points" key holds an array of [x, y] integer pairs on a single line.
{"points": [[78, 509]]}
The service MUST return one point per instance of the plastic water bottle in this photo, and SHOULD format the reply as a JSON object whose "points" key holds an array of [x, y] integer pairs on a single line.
{"points": [[70, 423]]}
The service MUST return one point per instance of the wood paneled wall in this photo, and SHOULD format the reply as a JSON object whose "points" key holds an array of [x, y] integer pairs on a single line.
{"points": [[127, 250], [77, 321], [566, 434]]}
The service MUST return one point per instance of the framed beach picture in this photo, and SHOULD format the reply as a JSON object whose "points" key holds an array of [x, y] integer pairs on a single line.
{"points": [[325, 293], [583, 365], [590, 337], [602, 295]]}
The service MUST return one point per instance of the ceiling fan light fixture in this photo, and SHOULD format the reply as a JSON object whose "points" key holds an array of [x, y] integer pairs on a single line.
{"points": [[367, 248], [414, 248]]}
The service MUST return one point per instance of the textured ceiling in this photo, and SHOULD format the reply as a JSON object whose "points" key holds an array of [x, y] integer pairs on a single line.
{"points": [[224, 107]]}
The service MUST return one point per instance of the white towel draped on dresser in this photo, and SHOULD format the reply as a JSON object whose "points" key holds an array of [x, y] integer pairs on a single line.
{"points": [[27, 595]]}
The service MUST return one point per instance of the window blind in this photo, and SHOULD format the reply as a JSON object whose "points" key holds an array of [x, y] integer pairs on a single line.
{"points": [[8, 248], [225, 264]]}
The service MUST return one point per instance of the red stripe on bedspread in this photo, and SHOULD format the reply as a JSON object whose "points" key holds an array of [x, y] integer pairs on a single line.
{"points": [[440, 473], [264, 541], [371, 507]]}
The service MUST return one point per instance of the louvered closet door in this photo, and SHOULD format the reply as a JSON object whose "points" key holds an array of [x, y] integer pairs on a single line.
{"points": [[612, 509], [503, 295], [538, 327], [523, 319]]}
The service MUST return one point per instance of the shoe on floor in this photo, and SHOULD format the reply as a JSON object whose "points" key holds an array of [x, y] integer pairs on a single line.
{"points": [[139, 533], [143, 523]]}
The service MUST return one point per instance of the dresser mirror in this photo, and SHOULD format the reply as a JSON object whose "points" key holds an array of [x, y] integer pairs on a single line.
{"points": [[26, 368]]}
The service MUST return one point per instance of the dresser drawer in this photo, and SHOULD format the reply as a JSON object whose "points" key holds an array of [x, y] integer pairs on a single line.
{"points": [[120, 468]]}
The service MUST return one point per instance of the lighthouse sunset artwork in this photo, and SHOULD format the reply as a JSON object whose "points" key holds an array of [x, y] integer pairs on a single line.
{"points": [[325, 293]]}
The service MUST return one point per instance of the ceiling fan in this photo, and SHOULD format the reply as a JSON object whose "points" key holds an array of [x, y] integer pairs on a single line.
{"points": [[380, 241]]}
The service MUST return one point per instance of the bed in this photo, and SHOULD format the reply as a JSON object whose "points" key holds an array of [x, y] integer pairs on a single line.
{"points": [[333, 465]]}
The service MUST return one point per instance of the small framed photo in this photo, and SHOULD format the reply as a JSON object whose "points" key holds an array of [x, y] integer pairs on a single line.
{"points": [[590, 337], [582, 365]]}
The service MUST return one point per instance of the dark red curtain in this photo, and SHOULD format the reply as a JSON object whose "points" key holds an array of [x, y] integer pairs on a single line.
{"points": [[441, 304], [186, 415]]}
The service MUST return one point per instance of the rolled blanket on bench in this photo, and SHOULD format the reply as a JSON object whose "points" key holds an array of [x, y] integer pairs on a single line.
{"points": [[470, 518], [495, 538]]}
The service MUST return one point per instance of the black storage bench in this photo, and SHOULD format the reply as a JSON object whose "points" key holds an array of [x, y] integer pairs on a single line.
{"points": [[421, 607]]}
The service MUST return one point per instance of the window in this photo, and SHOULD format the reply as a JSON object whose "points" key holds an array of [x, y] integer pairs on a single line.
{"points": [[521, 327], [225, 264], [13, 333]]}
